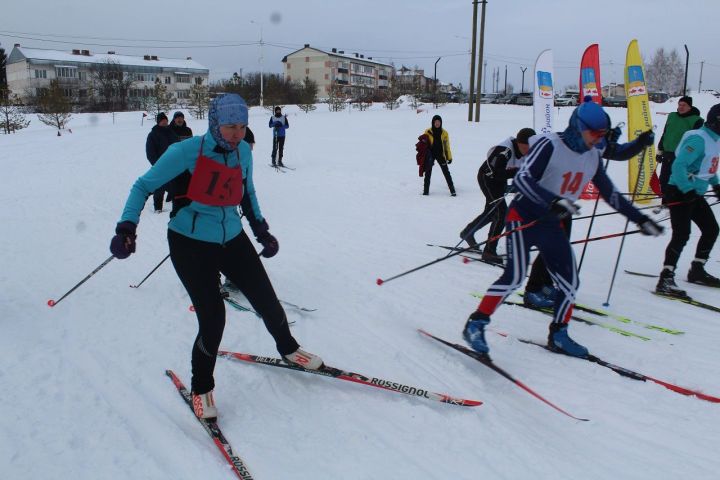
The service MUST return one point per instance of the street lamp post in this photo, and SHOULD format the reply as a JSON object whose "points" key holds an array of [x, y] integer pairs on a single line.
{"points": [[522, 89], [260, 60], [435, 82]]}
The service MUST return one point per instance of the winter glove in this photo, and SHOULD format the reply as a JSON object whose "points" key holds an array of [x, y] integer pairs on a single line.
{"points": [[716, 191], [449, 161], [613, 135], [649, 227], [277, 124], [266, 239], [123, 243], [660, 157], [563, 208], [647, 138]]}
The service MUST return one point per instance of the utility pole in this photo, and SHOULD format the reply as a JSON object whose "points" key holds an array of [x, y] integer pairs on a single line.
{"points": [[522, 89], [471, 92], [260, 60], [480, 61], [505, 90], [702, 63], [484, 77]]}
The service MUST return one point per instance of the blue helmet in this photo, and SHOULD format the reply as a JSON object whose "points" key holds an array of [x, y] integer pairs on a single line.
{"points": [[587, 116]]}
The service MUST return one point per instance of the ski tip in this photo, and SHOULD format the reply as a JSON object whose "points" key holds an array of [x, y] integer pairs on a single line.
{"points": [[51, 303], [465, 260], [379, 281], [191, 308]]}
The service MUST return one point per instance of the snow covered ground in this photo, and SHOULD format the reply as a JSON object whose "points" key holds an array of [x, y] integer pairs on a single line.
{"points": [[84, 394]]}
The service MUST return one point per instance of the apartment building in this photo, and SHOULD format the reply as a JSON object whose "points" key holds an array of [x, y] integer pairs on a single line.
{"points": [[30, 70], [355, 74]]}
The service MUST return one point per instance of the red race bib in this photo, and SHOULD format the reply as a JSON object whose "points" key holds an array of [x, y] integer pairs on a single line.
{"points": [[215, 184]]}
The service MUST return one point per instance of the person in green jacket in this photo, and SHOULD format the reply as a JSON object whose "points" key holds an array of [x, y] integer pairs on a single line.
{"points": [[686, 118], [695, 167]]}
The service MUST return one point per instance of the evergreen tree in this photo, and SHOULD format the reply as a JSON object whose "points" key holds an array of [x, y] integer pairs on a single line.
{"points": [[199, 100], [160, 100], [54, 106], [11, 116], [308, 95]]}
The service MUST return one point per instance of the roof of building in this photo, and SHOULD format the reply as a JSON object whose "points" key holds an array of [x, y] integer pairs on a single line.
{"points": [[20, 53], [349, 56]]}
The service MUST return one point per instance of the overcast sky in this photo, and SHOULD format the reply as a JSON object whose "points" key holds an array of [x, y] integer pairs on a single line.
{"points": [[219, 34]]}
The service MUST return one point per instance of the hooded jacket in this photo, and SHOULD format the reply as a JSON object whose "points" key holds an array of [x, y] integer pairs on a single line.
{"points": [[676, 126], [444, 138]]}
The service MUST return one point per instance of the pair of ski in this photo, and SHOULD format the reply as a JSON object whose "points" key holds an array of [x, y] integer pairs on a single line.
{"points": [[591, 321], [237, 464], [687, 299], [281, 168]]}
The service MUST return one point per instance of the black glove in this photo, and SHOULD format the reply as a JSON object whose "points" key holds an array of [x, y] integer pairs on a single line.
{"points": [[716, 191], [123, 243], [649, 227], [264, 237], [563, 208], [660, 157], [646, 139], [613, 135]]}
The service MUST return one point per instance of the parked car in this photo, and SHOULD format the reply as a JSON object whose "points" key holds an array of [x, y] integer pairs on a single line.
{"points": [[566, 100], [524, 99], [659, 97], [619, 101], [489, 97]]}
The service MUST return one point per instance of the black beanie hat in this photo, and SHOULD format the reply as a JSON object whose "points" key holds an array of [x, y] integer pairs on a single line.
{"points": [[686, 99], [713, 118], [178, 114], [524, 134], [436, 117], [160, 116]]}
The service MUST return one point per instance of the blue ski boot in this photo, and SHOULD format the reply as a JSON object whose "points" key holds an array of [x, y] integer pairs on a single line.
{"points": [[559, 341], [538, 300], [474, 332]]}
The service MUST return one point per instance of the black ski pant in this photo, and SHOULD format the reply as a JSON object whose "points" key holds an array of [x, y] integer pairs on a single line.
{"points": [[429, 162], [696, 211], [665, 171], [197, 263], [278, 147], [494, 212], [539, 275]]}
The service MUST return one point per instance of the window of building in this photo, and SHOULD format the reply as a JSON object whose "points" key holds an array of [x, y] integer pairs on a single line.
{"points": [[183, 94], [198, 80], [65, 72], [326, 76], [307, 71], [41, 92], [82, 76], [167, 80], [307, 59], [40, 73], [68, 92], [181, 78]]}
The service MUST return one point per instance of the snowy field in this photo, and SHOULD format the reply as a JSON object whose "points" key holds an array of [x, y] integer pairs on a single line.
{"points": [[84, 394]]}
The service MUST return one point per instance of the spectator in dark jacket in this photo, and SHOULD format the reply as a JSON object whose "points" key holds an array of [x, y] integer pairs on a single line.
{"points": [[179, 126], [158, 140], [279, 123]]}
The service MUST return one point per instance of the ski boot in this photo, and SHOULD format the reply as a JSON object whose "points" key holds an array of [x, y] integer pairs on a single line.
{"points": [[304, 359], [204, 406], [538, 300], [666, 285], [492, 257], [468, 237], [474, 332], [699, 276], [560, 342]]}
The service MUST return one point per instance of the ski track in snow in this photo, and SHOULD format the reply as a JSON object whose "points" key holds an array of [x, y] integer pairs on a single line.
{"points": [[85, 392]]}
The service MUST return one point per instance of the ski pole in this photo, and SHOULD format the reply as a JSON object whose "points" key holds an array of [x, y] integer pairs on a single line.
{"points": [[627, 222], [52, 303], [592, 220], [151, 272], [381, 281]]}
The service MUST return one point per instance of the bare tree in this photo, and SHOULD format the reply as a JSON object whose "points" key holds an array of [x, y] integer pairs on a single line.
{"points": [[665, 72], [199, 99], [54, 107], [111, 86], [11, 116], [160, 100], [336, 98]]}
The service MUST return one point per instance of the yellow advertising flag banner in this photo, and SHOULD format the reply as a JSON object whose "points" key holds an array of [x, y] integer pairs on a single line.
{"points": [[642, 166]]}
